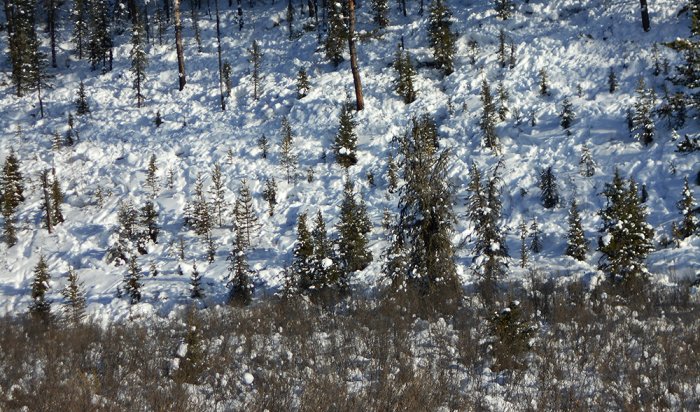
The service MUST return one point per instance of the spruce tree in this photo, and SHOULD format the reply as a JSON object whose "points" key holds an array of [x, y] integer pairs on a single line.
{"points": [[548, 187], [100, 44], [81, 104], [353, 228], [688, 73], [217, 191], [193, 357], [628, 237], [303, 85], [211, 248], [196, 283], [686, 206], [426, 218], [490, 251], [442, 40], [403, 85], [132, 281], [502, 56], [12, 185], [586, 164], [544, 83], [503, 8], [40, 308], [139, 60], [336, 35], [25, 55], [324, 271], [380, 9], [535, 237], [345, 144], [269, 194], [502, 101], [523, 244], [80, 26], [255, 59], [57, 198], [392, 174], [75, 300], [9, 231], [576, 243], [288, 159], [201, 220], [612, 81], [149, 220], [567, 115], [245, 215], [239, 284], [488, 118], [643, 128], [263, 145], [151, 178], [303, 254], [47, 204], [71, 133]]}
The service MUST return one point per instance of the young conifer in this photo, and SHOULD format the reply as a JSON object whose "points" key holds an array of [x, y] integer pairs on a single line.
{"points": [[57, 198], [40, 308], [576, 243], [336, 36], [403, 85], [132, 281], [567, 115], [196, 283], [643, 128], [353, 228], [75, 300], [686, 206], [535, 237], [612, 81], [302, 255], [288, 159], [442, 40], [81, 104], [269, 194], [544, 83], [255, 59], [139, 60], [218, 192], [303, 85], [523, 244], [240, 285], [345, 144], [380, 10], [548, 188], [151, 177], [488, 117], [149, 220], [245, 216]]}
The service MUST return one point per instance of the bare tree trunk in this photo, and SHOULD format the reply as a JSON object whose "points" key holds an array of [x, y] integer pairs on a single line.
{"points": [[645, 15], [178, 43], [52, 31], [47, 200], [353, 56], [218, 42]]}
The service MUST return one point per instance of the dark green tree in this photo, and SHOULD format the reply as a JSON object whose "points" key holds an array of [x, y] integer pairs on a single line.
{"points": [[535, 237], [504, 8], [548, 187], [686, 206], [26, 58], [303, 252], [255, 59], [100, 44], [246, 218], [269, 194], [488, 118], [403, 84], [566, 116], [380, 10], [196, 291], [345, 144], [627, 238], [612, 81], [75, 300], [303, 85], [57, 198], [240, 285], [81, 104], [151, 177], [139, 60], [643, 128], [132, 281], [442, 40], [40, 308], [576, 243], [353, 227], [149, 220], [288, 159], [337, 33], [81, 32], [544, 83]]}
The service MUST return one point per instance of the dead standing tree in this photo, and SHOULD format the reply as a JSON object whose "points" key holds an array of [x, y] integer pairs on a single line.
{"points": [[178, 44], [353, 56]]}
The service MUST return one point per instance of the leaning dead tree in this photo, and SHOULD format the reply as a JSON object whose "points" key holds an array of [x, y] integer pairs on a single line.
{"points": [[178, 45], [353, 56]]}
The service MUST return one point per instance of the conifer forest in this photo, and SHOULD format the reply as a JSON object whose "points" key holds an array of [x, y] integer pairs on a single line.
{"points": [[351, 205]]}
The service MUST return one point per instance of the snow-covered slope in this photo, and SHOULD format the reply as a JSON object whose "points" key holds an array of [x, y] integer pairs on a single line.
{"points": [[577, 42]]}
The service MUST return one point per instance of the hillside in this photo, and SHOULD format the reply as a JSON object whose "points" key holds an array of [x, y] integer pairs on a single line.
{"points": [[576, 42]]}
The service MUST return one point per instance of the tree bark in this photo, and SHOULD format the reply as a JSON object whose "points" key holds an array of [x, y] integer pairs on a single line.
{"points": [[47, 200], [178, 43], [645, 15], [218, 42], [353, 57]]}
